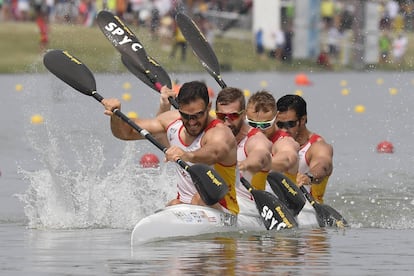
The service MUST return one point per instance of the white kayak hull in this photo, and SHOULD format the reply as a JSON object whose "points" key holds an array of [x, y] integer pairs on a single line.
{"points": [[185, 220], [182, 220]]}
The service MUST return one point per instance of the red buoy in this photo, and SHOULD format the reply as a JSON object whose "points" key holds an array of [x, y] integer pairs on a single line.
{"points": [[149, 160], [385, 147], [302, 79]]}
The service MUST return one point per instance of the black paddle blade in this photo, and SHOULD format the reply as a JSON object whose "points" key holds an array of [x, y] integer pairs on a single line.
{"points": [[201, 48], [325, 214], [332, 217], [70, 70], [126, 42], [160, 74], [287, 191], [209, 184], [274, 213], [122, 38]]}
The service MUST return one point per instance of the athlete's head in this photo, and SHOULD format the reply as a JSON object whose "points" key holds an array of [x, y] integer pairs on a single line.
{"points": [[291, 114], [261, 112], [230, 108], [194, 106]]}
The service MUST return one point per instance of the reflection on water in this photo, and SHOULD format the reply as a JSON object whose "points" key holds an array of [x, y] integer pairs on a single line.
{"points": [[247, 254]]}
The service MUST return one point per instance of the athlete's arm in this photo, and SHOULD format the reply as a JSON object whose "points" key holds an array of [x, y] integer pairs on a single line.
{"points": [[123, 131], [284, 154], [217, 146], [259, 155], [320, 156]]}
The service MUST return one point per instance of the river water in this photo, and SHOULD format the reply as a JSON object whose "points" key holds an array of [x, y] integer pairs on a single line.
{"points": [[70, 193]]}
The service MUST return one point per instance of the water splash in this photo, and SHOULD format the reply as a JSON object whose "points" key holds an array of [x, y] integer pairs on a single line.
{"points": [[79, 190]]}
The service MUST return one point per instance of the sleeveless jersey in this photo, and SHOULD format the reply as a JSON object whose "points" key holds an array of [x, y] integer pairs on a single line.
{"points": [[317, 190], [185, 186]]}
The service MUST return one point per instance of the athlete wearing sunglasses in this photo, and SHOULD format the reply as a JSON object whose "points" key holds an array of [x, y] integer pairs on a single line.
{"points": [[194, 136], [262, 125], [261, 113], [231, 116], [315, 155], [253, 148]]}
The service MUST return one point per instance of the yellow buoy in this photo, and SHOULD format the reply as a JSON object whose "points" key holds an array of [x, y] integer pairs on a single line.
{"points": [[343, 83], [359, 108], [380, 81], [36, 119], [126, 97], [246, 92], [126, 85], [263, 83], [393, 91], [345, 92], [132, 115], [18, 87], [299, 92]]}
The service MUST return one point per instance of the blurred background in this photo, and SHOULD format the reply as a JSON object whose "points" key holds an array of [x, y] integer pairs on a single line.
{"points": [[315, 34]]}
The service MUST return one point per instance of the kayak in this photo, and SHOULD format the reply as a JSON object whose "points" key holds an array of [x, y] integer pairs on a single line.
{"points": [[184, 220]]}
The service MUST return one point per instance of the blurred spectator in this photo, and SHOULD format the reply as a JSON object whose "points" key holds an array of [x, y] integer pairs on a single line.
{"points": [[399, 48], [327, 12], [41, 14], [121, 7], [23, 9], [333, 41], [166, 32], [277, 53], [179, 42], [259, 42], [288, 50], [347, 18], [391, 9], [385, 47], [323, 59]]}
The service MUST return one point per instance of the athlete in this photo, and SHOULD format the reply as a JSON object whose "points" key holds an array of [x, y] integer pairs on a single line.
{"points": [[194, 136], [261, 114], [315, 154], [253, 147]]}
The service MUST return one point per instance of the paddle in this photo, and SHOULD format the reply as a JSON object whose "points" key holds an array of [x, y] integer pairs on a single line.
{"points": [[134, 56], [274, 214], [286, 191], [325, 214], [200, 46], [72, 71]]}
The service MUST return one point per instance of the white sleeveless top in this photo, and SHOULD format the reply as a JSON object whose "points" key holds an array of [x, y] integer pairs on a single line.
{"points": [[185, 187]]}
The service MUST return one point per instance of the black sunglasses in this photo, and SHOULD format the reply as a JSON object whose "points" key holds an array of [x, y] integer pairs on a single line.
{"points": [[195, 116], [232, 116], [287, 124]]}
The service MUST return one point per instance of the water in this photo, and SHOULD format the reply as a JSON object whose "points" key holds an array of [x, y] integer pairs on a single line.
{"points": [[70, 193]]}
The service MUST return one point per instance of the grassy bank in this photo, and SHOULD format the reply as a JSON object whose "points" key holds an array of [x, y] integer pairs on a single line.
{"points": [[21, 54]]}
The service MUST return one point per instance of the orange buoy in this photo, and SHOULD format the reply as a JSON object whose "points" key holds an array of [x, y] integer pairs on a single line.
{"points": [[385, 147], [149, 160], [302, 79]]}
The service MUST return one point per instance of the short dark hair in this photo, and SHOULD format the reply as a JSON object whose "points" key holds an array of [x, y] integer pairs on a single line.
{"points": [[263, 101], [191, 91], [294, 102], [229, 95]]}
